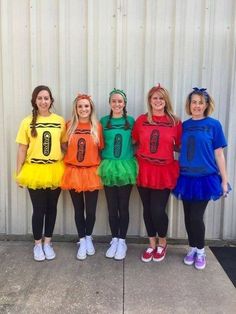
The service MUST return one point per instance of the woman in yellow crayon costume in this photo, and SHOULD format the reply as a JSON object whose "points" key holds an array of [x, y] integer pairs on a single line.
{"points": [[40, 167]]}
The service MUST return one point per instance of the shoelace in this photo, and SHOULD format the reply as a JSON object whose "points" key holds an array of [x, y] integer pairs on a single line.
{"points": [[160, 249], [191, 253], [200, 257], [149, 250], [113, 242]]}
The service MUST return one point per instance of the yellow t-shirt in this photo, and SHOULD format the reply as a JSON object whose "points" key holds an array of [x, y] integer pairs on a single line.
{"points": [[46, 146]]}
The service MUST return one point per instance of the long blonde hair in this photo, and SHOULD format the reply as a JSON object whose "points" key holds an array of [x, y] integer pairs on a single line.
{"points": [[168, 109], [75, 118]]}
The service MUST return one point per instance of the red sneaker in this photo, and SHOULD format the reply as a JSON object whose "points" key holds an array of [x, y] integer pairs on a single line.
{"points": [[159, 253], [147, 255]]}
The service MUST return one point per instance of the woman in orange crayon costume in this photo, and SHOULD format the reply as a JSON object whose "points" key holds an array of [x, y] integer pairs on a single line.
{"points": [[157, 134], [40, 167], [81, 162]]}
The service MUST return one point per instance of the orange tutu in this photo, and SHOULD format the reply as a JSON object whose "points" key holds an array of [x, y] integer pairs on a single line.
{"points": [[81, 179], [157, 176]]}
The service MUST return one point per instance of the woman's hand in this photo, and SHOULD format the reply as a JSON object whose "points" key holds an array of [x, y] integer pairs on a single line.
{"points": [[21, 156], [220, 160], [225, 188]]}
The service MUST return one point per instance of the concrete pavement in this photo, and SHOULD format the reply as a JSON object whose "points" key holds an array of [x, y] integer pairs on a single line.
{"points": [[100, 285]]}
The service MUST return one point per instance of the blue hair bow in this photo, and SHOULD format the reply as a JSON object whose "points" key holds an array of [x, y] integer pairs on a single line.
{"points": [[202, 91]]}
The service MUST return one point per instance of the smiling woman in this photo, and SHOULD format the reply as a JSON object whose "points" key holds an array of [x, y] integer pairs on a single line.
{"points": [[198, 106], [83, 110], [81, 162], [118, 170], [157, 135], [43, 103], [40, 167], [203, 174]]}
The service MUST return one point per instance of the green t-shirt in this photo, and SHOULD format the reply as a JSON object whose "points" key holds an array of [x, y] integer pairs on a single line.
{"points": [[117, 140]]}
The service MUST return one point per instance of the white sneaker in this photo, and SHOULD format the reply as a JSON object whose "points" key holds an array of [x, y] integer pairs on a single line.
{"points": [[121, 250], [38, 253], [110, 253], [48, 251], [89, 245], [81, 254]]}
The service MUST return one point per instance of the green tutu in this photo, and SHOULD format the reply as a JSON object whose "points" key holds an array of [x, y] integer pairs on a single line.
{"points": [[118, 172]]}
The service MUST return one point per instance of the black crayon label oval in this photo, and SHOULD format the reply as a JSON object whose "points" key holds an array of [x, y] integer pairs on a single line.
{"points": [[117, 145], [191, 146], [154, 141], [81, 149], [46, 143]]}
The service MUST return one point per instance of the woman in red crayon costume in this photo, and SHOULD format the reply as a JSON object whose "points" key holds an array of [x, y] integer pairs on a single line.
{"points": [[81, 162], [157, 134]]}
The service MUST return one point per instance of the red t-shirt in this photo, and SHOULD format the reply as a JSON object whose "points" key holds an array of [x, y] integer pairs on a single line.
{"points": [[155, 142]]}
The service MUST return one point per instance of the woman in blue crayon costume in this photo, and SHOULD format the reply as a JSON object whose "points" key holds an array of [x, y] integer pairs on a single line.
{"points": [[203, 174], [118, 170]]}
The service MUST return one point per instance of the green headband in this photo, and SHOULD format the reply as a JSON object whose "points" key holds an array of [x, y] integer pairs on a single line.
{"points": [[120, 92]]}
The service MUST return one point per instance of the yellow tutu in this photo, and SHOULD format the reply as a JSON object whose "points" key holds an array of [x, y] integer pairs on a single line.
{"points": [[41, 176]]}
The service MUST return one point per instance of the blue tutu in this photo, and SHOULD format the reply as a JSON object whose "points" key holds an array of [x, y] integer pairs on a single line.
{"points": [[198, 188]]}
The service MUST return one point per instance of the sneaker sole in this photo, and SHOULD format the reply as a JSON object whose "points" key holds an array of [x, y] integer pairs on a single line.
{"points": [[39, 260], [188, 263], [81, 258], [109, 256], [145, 260], [158, 259], [90, 253], [200, 268], [119, 258], [50, 258]]}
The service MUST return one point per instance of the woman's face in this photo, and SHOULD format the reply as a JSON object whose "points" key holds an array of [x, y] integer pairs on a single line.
{"points": [[117, 105], [43, 102], [83, 109], [157, 103], [198, 106]]}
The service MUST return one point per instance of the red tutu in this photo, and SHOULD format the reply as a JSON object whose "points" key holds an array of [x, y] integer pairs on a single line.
{"points": [[157, 176], [81, 179]]}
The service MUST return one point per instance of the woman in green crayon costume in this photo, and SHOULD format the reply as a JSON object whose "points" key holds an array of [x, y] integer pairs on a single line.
{"points": [[118, 170]]}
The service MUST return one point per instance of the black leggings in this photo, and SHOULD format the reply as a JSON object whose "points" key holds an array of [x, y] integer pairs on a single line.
{"points": [[194, 223], [154, 210], [44, 203], [118, 208], [80, 201]]}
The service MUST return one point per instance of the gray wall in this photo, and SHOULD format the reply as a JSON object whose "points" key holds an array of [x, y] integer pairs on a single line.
{"points": [[95, 45]]}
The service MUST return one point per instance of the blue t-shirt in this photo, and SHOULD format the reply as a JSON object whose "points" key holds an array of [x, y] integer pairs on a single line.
{"points": [[199, 140]]}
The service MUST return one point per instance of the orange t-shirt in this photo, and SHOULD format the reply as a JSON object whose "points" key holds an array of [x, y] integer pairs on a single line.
{"points": [[82, 150]]}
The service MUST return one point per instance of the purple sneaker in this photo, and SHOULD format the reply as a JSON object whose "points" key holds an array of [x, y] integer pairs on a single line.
{"points": [[190, 257], [200, 261]]}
